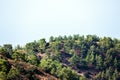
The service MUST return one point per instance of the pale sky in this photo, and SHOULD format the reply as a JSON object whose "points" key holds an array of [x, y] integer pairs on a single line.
{"points": [[23, 21]]}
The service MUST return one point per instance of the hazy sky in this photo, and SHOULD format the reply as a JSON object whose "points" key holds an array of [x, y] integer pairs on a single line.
{"points": [[23, 21]]}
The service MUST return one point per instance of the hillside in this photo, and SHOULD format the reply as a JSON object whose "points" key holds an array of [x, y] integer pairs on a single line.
{"points": [[62, 58], [23, 71]]}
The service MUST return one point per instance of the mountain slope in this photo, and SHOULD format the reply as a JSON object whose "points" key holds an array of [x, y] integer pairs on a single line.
{"points": [[62, 58]]}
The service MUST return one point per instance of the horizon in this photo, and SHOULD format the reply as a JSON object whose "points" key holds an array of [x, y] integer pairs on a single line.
{"points": [[25, 21], [47, 39]]}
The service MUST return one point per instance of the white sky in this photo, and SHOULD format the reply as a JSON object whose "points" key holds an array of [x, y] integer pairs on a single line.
{"points": [[23, 21]]}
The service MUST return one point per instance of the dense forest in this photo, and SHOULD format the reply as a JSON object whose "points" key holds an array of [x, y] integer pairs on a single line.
{"points": [[62, 58]]}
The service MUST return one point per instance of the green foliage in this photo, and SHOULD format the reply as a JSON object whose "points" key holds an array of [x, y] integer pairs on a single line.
{"points": [[8, 48], [32, 47], [90, 58], [32, 58], [13, 74], [18, 47], [102, 55], [2, 51], [82, 78], [4, 65], [42, 45], [57, 69], [51, 39], [3, 75], [19, 55], [108, 74], [99, 62], [115, 63], [74, 60], [68, 74]]}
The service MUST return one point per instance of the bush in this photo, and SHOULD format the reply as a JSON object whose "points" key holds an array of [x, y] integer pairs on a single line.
{"points": [[13, 74]]}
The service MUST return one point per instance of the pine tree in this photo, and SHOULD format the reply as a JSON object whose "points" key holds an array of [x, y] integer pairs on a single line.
{"points": [[115, 75], [115, 63]]}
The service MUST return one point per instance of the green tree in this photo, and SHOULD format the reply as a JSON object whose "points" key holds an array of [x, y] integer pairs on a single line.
{"points": [[68, 74], [74, 60], [19, 55], [32, 58], [32, 47], [65, 37], [42, 45], [51, 39], [13, 74], [4, 65], [3, 76], [90, 58], [115, 63], [106, 43], [115, 75], [8, 48], [108, 59], [18, 47], [99, 62], [2, 51], [75, 37]]}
